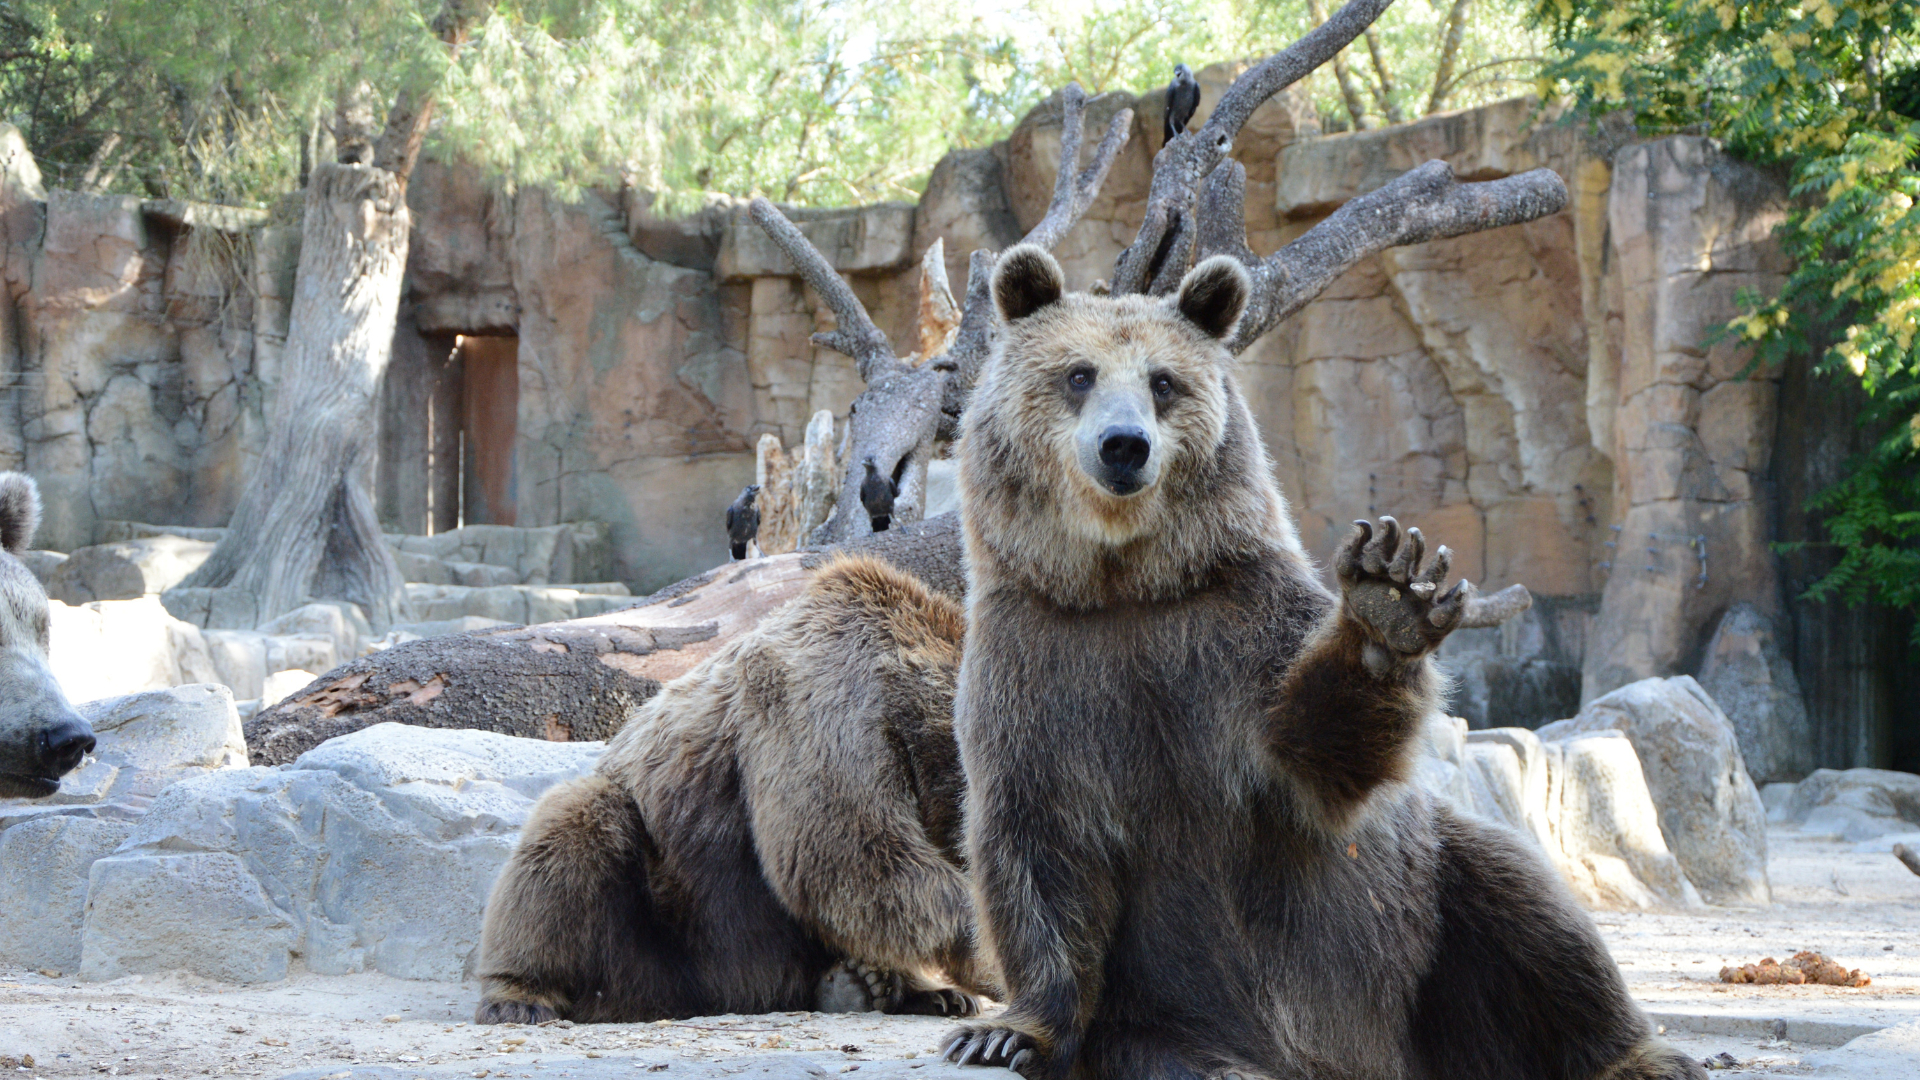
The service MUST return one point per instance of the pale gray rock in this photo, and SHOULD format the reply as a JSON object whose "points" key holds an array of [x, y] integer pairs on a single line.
{"points": [[1887, 1054], [1778, 799], [42, 563], [1856, 804], [224, 926], [339, 623], [127, 569], [519, 604], [109, 648], [1606, 830], [1753, 683], [373, 851], [146, 741], [1710, 812], [43, 886], [854, 239], [548, 555]]}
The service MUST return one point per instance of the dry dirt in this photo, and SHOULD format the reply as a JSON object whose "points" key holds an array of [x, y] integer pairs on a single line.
{"points": [[1861, 908]]}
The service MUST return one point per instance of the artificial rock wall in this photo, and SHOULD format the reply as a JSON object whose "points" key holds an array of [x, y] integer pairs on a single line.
{"points": [[1536, 397]]}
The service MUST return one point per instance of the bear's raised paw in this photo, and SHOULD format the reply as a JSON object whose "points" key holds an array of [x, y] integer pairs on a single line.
{"points": [[1397, 600]]}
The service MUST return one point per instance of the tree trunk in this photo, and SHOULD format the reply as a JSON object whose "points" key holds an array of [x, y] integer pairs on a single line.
{"points": [[1342, 75], [305, 526], [1449, 56]]}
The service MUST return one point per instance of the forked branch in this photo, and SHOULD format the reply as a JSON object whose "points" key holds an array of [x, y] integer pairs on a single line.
{"points": [[1192, 157], [1073, 194], [1423, 204], [906, 409]]}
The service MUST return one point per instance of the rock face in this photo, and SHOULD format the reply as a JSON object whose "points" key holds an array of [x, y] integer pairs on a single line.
{"points": [[1693, 436], [1750, 679], [47, 847], [374, 851], [1856, 804], [1709, 810]]}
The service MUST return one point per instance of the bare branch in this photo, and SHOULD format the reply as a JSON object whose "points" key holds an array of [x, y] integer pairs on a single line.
{"points": [[1423, 204], [1496, 609], [1191, 157], [855, 336], [1073, 194]]}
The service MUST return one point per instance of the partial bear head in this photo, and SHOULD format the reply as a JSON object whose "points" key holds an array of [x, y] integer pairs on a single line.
{"points": [[41, 737], [1107, 450]]}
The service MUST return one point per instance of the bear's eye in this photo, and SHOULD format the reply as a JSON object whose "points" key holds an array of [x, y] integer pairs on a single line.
{"points": [[1162, 386], [1080, 379]]}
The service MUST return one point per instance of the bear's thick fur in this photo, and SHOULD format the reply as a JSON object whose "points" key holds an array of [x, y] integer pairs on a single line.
{"points": [[1192, 850], [791, 804], [41, 737]]}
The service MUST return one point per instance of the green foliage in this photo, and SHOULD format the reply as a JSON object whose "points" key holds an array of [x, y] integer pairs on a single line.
{"points": [[1830, 88], [808, 101]]}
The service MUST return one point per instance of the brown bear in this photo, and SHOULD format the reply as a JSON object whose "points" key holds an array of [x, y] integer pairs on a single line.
{"points": [[41, 737], [1192, 847], [787, 811]]}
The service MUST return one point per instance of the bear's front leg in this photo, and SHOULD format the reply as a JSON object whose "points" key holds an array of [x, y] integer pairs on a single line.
{"points": [[1353, 699]]}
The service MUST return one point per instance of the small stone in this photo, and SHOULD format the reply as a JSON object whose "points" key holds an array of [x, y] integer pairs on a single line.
{"points": [[391, 1018]]}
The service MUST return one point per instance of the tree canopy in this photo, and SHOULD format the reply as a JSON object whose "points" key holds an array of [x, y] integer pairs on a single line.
{"points": [[806, 101]]}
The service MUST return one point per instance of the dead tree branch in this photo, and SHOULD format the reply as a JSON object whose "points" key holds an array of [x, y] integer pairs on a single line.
{"points": [[1183, 164], [1426, 203], [905, 409], [854, 333]]}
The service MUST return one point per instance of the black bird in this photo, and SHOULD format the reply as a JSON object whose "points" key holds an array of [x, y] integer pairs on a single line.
{"points": [[877, 494], [743, 520], [1183, 96]]}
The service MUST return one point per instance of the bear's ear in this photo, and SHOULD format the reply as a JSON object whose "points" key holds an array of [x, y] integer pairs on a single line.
{"points": [[19, 511], [1213, 295], [1025, 280]]}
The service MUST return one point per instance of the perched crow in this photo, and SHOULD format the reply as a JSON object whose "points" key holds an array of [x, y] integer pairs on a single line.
{"points": [[1183, 96], [877, 494], [743, 520]]}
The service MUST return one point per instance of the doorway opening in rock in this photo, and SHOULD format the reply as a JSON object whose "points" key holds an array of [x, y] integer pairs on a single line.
{"points": [[448, 420]]}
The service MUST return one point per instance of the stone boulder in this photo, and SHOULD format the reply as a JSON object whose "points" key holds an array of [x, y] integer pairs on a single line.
{"points": [[550, 554], [373, 851], [1584, 803], [112, 647], [1710, 811], [126, 570], [1855, 804], [1606, 828], [854, 239], [47, 847], [520, 604], [1753, 683]]}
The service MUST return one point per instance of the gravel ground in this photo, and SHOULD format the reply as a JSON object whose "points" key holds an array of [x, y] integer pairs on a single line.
{"points": [[1862, 908]]}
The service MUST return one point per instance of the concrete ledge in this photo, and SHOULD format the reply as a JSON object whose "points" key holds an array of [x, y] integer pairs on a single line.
{"points": [[1816, 1032]]}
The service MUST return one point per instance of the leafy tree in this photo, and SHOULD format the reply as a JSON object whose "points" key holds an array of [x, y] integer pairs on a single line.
{"points": [[1831, 90]]}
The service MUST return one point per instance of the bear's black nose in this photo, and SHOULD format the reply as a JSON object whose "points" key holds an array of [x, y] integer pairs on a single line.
{"points": [[1124, 449], [64, 744]]}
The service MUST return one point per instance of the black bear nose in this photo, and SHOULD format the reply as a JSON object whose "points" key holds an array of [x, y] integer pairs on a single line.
{"points": [[64, 744], [1124, 449]]}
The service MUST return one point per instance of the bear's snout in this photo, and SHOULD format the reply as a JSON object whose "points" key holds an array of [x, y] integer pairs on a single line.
{"points": [[1124, 453], [63, 745]]}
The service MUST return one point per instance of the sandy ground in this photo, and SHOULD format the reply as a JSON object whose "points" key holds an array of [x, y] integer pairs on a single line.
{"points": [[1860, 908]]}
